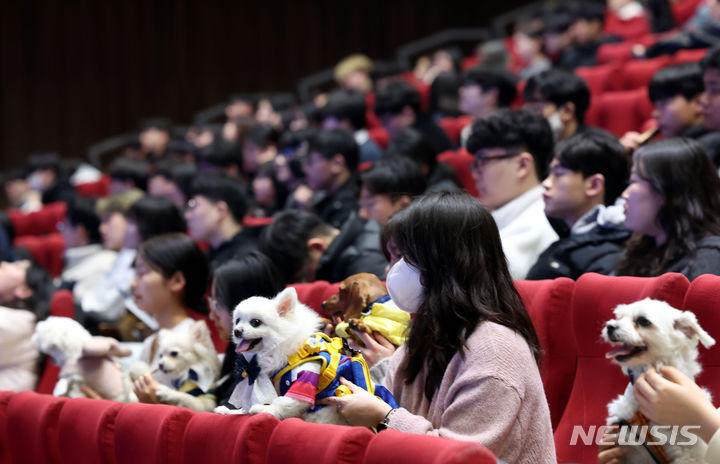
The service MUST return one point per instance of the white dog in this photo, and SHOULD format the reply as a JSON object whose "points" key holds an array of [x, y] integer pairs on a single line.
{"points": [[267, 332], [84, 359], [651, 333], [189, 360]]}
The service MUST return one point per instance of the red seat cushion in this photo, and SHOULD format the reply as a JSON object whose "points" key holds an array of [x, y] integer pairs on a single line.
{"points": [[314, 293], [218, 438], [597, 380], [86, 431], [39, 222], [62, 304], [459, 161], [391, 446], [46, 250], [4, 440], [99, 188], [33, 427], [338, 445]]}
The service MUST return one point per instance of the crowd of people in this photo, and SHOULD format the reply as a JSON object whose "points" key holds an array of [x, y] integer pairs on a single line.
{"points": [[280, 193]]}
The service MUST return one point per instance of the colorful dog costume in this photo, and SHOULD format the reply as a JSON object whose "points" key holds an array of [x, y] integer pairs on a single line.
{"points": [[381, 316]]}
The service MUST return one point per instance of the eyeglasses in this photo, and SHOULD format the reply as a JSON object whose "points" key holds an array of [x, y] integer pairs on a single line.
{"points": [[481, 161]]}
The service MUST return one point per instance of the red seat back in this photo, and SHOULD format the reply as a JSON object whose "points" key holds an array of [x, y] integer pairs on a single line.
{"points": [[4, 440], [689, 56], [628, 29], [39, 222], [46, 250], [396, 447], [459, 161], [62, 304], [601, 78], [684, 10], [86, 431], [314, 293], [99, 188], [623, 111], [33, 428], [597, 380], [638, 73]]}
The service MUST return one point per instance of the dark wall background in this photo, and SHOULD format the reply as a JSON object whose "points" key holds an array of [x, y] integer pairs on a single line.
{"points": [[75, 72]]}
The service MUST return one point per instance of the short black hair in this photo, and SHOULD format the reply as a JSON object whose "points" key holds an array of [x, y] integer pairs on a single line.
{"points": [[216, 187], [156, 216], [221, 154], [238, 97], [680, 79], [248, 274], [263, 135], [588, 11], [336, 141], [413, 144], [492, 78], [559, 87], [160, 122], [293, 139], [124, 169], [181, 174], [284, 241], [515, 128], [44, 160], [394, 176], [81, 211], [396, 96], [711, 60], [596, 152], [347, 104]]}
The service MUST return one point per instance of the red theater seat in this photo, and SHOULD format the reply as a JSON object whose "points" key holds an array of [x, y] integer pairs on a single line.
{"points": [[628, 29], [620, 112], [100, 188], [548, 303], [597, 380], [460, 161], [380, 136], [314, 293], [621, 51], [689, 56], [86, 431], [601, 78], [46, 250], [4, 440], [39, 222], [150, 433], [396, 447], [638, 73], [338, 445], [33, 427], [226, 439], [684, 10]]}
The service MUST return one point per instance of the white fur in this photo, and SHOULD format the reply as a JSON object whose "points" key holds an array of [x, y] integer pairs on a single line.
{"points": [[670, 339], [284, 326], [180, 351]]}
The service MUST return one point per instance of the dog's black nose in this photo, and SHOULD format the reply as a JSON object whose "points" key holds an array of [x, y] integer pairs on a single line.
{"points": [[611, 332], [238, 333]]}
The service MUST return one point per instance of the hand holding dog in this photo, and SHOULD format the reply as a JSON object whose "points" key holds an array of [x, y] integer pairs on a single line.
{"points": [[609, 454], [376, 347], [675, 400], [360, 408], [145, 388]]}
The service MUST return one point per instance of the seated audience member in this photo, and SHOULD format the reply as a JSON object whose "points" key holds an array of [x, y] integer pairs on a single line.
{"points": [[673, 208], [85, 258], [151, 216], [269, 194], [46, 176], [214, 215], [127, 174], [171, 275], [222, 156], [18, 193], [346, 110], [447, 59], [586, 33], [556, 34], [710, 101], [443, 99], [398, 107], [512, 150], [562, 98], [469, 369], [260, 146], [331, 173], [530, 48], [247, 275], [172, 181], [675, 92], [293, 149], [25, 293], [414, 145], [353, 73], [154, 137], [587, 175], [239, 106], [305, 249], [389, 186], [484, 91], [202, 135]]}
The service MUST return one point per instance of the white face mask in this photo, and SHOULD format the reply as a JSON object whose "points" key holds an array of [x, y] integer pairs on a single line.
{"points": [[556, 124], [404, 287]]}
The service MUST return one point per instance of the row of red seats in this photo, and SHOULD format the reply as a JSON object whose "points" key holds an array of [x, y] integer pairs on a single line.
{"points": [[638, 26], [38, 428], [568, 317]]}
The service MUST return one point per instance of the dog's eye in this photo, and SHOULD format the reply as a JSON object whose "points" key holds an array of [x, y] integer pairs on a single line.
{"points": [[642, 322], [255, 322], [174, 354]]}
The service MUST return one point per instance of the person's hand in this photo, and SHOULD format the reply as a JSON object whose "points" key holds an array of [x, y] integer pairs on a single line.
{"points": [[145, 387], [611, 453], [360, 408], [675, 400], [90, 392], [376, 346], [630, 141], [303, 196]]}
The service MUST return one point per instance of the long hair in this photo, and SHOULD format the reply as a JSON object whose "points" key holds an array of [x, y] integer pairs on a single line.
{"points": [[454, 242], [680, 170]]}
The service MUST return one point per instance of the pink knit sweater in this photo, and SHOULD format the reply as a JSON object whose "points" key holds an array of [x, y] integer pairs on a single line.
{"points": [[494, 397]]}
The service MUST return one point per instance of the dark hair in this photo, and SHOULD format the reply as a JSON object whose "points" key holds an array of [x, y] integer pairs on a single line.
{"points": [[466, 281], [336, 141], [40, 281], [221, 154], [413, 144], [680, 170], [681, 79], [493, 78], [396, 96], [81, 211], [559, 87], [44, 160], [394, 176], [596, 153], [249, 274], [294, 139], [347, 104], [156, 216], [263, 135], [218, 187], [444, 94], [511, 129], [711, 60], [284, 241], [588, 11], [160, 123], [174, 252], [124, 169], [181, 174], [242, 98]]}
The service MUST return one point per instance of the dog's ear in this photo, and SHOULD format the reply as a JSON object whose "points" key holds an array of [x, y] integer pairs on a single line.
{"points": [[687, 323], [286, 300], [200, 331]]}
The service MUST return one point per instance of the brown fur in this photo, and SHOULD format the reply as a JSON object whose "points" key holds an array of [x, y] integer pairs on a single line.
{"points": [[355, 294]]}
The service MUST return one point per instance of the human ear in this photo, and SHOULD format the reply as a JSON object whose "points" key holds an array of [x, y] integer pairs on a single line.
{"points": [[177, 281], [567, 112], [594, 185]]}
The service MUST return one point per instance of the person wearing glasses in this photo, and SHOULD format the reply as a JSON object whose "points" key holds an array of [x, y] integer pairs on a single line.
{"points": [[512, 150]]}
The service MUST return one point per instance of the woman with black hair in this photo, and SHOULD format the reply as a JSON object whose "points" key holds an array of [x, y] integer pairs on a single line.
{"points": [[469, 369], [151, 216], [672, 205]]}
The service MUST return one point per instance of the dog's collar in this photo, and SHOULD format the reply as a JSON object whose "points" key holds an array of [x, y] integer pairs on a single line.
{"points": [[382, 299], [191, 375]]}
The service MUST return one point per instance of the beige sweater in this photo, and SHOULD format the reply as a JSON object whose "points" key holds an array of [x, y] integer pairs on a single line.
{"points": [[493, 397]]}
